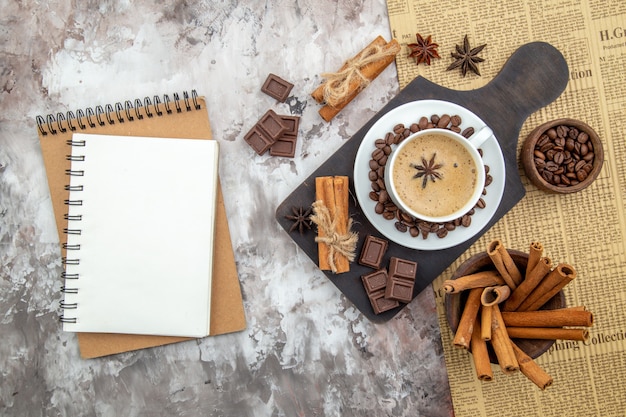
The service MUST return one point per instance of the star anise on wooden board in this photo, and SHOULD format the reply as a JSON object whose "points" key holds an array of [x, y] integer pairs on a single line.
{"points": [[300, 218], [466, 58], [423, 50], [428, 170]]}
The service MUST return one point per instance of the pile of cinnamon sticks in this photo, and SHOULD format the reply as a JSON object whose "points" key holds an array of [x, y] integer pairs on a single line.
{"points": [[504, 304]]}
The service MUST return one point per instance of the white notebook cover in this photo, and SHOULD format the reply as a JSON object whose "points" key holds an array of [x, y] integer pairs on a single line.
{"points": [[147, 219]]}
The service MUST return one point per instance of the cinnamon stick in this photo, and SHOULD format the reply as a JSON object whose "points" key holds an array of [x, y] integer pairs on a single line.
{"points": [[548, 318], [340, 189], [476, 280], [480, 354], [325, 193], [485, 322], [495, 295], [463, 334], [547, 333], [534, 255], [533, 278], [504, 263], [554, 282], [531, 370], [501, 342]]}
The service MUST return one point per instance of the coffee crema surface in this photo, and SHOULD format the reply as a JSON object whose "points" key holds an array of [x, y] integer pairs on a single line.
{"points": [[450, 174]]}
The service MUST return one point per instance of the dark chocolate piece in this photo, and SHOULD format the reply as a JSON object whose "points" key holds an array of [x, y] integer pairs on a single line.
{"points": [[285, 146], [402, 268], [276, 87], [400, 280], [272, 125], [258, 140], [381, 304], [399, 290], [375, 281], [291, 123], [373, 251]]}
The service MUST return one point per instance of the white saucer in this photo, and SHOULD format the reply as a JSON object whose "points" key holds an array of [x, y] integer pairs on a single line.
{"points": [[407, 114]]}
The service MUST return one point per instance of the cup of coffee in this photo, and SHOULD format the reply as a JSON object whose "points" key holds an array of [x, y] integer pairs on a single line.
{"points": [[437, 175]]}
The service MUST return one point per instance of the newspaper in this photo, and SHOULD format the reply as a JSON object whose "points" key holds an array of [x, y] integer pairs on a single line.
{"points": [[586, 229]]}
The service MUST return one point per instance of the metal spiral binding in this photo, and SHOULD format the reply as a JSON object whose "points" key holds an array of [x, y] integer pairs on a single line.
{"points": [[72, 249], [129, 110]]}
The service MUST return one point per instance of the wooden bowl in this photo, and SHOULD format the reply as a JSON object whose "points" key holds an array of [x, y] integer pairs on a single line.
{"points": [[534, 150], [454, 303]]}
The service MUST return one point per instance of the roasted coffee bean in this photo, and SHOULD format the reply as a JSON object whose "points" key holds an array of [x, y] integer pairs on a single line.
{"points": [[443, 121], [381, 183], [488, 180], [389, 138], [405, 217], [373, 176], [399, 128], [387, 149], [434, 119], [383, 197], [373, 165], [414, 128], [551, 133], [379, 209], [543, 139], [467, 132], [450, 226], [401, 227], [561, 131], [388, 215], [481, 203], [456, 120], [466, 220], [375, 187], [379, 143], [442, 232], [455, 129], [423, 122], [373, 196], [558, 157], [383, 160], [414, 231], [377, 154]]}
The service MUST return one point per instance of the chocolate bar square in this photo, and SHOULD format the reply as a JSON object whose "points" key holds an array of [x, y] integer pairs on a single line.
{"points": [[276, 87], [402, 268], [258, 140], [381, 304], [291, 123], [285, 146], [375, 281], [373, 251], [399, 290], [272, 125]]}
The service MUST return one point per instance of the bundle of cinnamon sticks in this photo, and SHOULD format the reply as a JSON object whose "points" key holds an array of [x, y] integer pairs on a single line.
{"points": [[505, 304], [341, 87], [336, 242]]}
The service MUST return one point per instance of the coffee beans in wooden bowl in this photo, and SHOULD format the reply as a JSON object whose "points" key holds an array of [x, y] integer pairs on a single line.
{"points": [[562, 156]]}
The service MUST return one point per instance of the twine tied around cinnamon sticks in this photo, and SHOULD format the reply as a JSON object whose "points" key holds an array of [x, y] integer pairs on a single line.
{"points": [[337, 86], [342, 243]]}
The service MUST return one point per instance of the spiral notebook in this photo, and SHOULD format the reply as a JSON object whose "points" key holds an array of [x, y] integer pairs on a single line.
{"points": [[184, 117], [141, 216]]}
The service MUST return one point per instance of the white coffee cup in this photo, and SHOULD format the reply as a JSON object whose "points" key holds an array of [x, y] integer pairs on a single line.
{"points": [[437, 175]]}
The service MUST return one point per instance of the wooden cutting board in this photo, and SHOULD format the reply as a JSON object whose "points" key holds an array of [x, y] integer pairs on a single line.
{"points": [[534, 76]]}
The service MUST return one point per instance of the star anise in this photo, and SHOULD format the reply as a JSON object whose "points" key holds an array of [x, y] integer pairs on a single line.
{"points": [[424, 50], [466, 58], [428, 170], [300, 219]]}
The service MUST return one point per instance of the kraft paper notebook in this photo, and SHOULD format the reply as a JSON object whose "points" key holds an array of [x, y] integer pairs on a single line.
{"points": [[158, 118]]}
